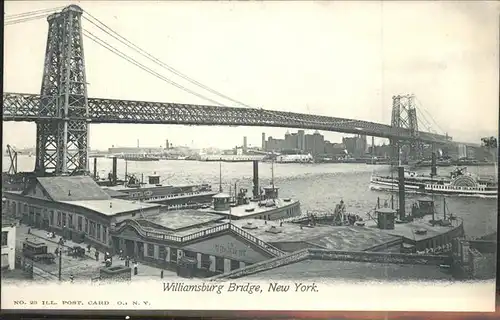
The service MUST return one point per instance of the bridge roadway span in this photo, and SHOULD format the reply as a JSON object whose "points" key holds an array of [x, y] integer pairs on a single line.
{"points": [[26, 107]]}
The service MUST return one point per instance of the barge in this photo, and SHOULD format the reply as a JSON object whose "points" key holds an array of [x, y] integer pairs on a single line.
{"points": [[155, 192]]}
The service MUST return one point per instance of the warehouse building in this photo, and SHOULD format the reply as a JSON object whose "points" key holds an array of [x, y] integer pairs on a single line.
{"points": [[73, 206]]}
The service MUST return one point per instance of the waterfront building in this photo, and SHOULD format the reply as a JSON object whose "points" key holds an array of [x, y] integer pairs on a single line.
{"points": [[73, 206], [8, 244]]}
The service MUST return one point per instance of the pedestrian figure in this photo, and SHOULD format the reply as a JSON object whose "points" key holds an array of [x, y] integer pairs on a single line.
{"points": [[29, 230], [97, 256], [135, 270], [161, 274], [71, 278]]}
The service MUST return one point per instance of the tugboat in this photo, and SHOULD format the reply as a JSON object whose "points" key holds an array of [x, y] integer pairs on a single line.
{"points": [[459, 183], [265, 203]]}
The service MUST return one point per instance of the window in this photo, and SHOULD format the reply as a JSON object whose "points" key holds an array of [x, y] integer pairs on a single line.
{"points": [[86, 226], [4, 238], [70, 220], [80, 224], [163, 253], [104, 234], [219, 264], [151, 250], [58, 218], [51, 217], [64, 219], [92, 229], [98, 231]]}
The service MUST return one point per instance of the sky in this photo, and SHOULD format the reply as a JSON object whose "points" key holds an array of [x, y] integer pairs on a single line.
{"points": [[341, 59]]}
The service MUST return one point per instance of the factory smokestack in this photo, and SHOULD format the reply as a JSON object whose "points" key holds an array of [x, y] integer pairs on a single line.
{"points": [[114, 171], [95, 168], [433, 165], [255, 178], [401, 176]]}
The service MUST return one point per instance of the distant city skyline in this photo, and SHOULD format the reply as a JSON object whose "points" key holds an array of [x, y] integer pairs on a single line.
{"points": [[347, 60]]}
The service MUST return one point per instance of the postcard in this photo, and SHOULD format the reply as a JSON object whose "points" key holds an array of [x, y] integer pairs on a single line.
{"points": [[310, 156]]}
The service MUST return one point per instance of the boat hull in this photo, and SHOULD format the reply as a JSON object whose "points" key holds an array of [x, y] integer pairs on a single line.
{"points": [[481, 192]]}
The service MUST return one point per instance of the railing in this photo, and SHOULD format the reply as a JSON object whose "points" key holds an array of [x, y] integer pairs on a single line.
{"points": [[265, 265], [145, 232], [179, 195], [268, 247], [206, 232]]}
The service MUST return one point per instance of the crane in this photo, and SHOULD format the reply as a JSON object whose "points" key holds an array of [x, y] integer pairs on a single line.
{"points": [[13, 160]]}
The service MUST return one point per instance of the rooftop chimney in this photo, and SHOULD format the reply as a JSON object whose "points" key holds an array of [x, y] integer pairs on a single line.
{"points": [[401, 175], [255, 178]]}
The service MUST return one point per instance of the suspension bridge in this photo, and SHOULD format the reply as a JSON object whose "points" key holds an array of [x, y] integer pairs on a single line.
{"points": [[63, 111]]}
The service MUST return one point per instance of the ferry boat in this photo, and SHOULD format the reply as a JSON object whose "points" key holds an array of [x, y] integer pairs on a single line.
{"points": [[459, 183], [291, 158]]}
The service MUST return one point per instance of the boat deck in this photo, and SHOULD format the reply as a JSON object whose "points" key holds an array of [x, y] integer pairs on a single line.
{"points": [[407, 230], [241, 210], [122, 187]]}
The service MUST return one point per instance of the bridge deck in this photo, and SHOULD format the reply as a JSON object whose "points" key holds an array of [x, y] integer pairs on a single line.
{"points": [[26, 107]]}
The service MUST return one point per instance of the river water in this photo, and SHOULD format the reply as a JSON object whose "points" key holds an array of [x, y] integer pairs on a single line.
{"points": [[317, 186]]}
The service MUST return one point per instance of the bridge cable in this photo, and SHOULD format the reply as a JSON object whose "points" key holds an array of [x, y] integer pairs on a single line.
{"points": [[21, 20], [144, 53], [24, 14], [421, 106], [109, 47], [421, 113], [149, 56]]}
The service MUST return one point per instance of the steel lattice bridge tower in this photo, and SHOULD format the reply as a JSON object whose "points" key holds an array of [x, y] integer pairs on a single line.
{"points": [[62, 142], [404, 115], [62, 112]]}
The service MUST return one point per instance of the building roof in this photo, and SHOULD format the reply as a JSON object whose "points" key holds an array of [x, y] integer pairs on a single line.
{"points": [[329, 237], [408, 230], [112, 207], [71, 188], [182, 219], [321, 269], [241, 210], [114, 193], [221, 195]]}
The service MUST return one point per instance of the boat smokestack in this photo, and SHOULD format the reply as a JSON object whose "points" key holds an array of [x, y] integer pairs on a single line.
{"points": [[401, 176], [255, 179], [95, 168], [433, 165], [114, 170]]}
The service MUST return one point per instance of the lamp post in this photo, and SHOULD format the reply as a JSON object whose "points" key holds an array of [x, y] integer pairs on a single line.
{"points": [[59, 247]]}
